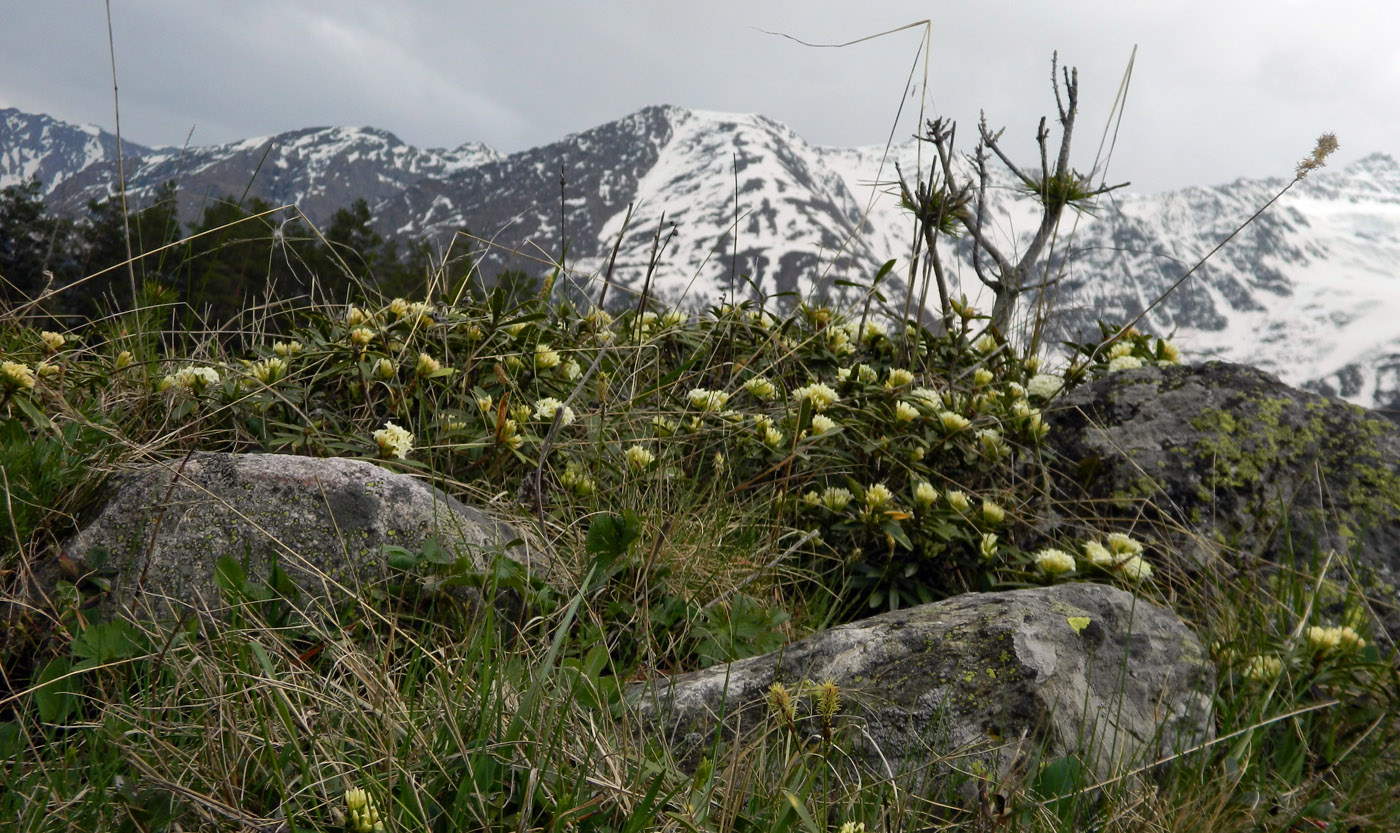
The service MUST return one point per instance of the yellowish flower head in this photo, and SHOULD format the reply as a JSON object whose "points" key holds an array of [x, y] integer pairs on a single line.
{"points": [[426, 365], [1055, 562], [393, 441], [836, 498], [638, 457], [1124, 363], [1326, 146], [1124, 544], [924, 494], [1333, 639], [821, 396], [53, 342], [546, 408], [953, 422], [822, 424], [361, 812], [958, 499], [361, 336], [16, 376], [1122, 348], [760, 388], [509, 433], [1098, 555], [992, 513], [982, 377], [899, 377], [197, 379], [598, 319], [927, 398], [838, 339], [664, 427], [575, 478], [1036, 426], [1044, 385], [878, 495], [904, 412], [270, 371], [384, 370], [991, 443], [780, 701], [1135, 569], [708, 401], [546, 358], [1263, 669]]}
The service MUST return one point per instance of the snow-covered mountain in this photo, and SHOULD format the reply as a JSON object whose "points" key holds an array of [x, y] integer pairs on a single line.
{"points": [[316, 169], [1310, 290]]}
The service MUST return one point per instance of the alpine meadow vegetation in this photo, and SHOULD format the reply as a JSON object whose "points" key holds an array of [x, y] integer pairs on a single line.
{"points": [[716, 481]]}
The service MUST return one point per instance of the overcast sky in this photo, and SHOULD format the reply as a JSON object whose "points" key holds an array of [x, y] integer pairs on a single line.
{"points": [[1220, 89]]}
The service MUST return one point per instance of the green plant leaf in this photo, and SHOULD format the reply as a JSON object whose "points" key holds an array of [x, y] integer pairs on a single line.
{"points": [[56, 695], [108, 642], [11, 740], [1059, 783], [230, 576], [400, 558], [610, 536]]}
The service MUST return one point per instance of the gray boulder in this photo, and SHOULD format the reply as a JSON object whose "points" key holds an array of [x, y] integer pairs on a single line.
{"points": [[1231, 467], [325, 522], [1077, 668]]}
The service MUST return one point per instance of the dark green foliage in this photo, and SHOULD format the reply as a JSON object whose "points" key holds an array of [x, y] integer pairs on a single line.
{"points": [[32, 242]]}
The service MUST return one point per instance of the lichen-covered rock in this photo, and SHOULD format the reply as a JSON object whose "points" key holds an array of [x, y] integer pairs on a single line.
{"points": [[1077, 668], [325, 522], [1224, 463]]}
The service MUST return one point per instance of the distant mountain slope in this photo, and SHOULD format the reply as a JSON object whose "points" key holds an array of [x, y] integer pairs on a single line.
{"points": [[1310, 291], [52, 150]]}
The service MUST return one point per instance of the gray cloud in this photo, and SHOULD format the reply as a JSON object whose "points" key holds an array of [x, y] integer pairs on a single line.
{"points": [[1220, 90]]}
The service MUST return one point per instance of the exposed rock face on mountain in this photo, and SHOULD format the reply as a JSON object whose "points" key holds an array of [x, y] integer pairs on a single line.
{"points": [[1308, 291], [1225, 465], [325, 522], [1080, 668], [37, 146]]}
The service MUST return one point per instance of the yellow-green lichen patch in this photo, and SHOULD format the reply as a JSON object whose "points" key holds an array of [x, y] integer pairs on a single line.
{"points": [[1078, 623], [1267, 451]]}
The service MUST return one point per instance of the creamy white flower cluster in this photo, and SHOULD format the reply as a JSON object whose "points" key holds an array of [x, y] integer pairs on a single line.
{"points": [[393, 441], [1119, 553]]}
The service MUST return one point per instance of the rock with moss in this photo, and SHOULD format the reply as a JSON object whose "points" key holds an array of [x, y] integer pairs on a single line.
{"points": [[331, 526], [983, 682], [1230, 467]]}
